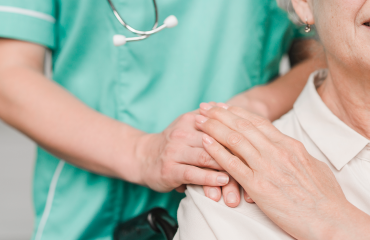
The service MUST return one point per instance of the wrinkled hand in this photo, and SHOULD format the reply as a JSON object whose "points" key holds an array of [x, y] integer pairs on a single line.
{"points": [[176, 157], [296, 191]]}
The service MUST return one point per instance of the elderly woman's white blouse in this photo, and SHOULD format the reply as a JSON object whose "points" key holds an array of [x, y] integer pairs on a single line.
{"points": [[325, 137]]}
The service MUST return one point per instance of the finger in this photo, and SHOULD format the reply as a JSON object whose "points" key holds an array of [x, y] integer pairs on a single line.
{"points": [[236, 123], [223, 105], [213, 193], [181, 189], [247, 198], [231, 193], [184, 174], [213, 103], [195, 139], [232, 164], [200, 158], [231, 139], [263, 124]]}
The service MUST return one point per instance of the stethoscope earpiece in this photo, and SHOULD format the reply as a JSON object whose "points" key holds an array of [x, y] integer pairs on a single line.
{"points": [[171, 21], [118, 40]]}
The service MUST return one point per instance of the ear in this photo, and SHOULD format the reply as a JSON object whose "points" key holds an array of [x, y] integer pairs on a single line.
{"points": [[303, 8]]}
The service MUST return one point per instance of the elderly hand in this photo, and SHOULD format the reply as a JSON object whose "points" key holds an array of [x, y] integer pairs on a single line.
{"points": [[296, 191]]}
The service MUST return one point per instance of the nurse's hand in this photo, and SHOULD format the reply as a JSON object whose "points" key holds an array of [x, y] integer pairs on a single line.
{"points": [[295, 190], [176, 157]]}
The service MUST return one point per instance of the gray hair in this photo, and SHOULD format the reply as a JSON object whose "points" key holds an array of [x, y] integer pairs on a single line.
{"points": [[288, 6]]}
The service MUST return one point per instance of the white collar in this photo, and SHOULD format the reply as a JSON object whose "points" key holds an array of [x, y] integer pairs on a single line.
{"points": [[339, 143]]}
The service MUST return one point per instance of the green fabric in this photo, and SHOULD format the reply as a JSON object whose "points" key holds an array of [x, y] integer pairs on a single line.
{"points": [[219, 49]]}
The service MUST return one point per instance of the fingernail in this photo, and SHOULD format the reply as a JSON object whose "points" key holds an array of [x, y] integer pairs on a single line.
{"points": [[213, 193], [200, 119], [231, 198], [207, 139], [205, 106], [247, 197], [223, 105], [222, 179]]}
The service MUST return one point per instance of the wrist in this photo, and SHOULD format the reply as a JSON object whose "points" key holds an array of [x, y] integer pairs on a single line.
{"points": [[126, 160], [344, 222], [146, 150]]}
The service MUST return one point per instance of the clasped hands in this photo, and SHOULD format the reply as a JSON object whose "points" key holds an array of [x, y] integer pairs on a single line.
{"points": [[218, 144], [296, 191]]}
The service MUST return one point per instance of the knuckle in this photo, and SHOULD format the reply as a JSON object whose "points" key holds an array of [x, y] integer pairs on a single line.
{"points": [[165, 172], [211, 125], [236, 110], [243, 124], [217, 151], [263, 186], [169, 152], [284, 155], [234, 138], [297, 145], [204, 159], [187, 117], [216, 112], [178, 134], [233, 163], [260, 122]]}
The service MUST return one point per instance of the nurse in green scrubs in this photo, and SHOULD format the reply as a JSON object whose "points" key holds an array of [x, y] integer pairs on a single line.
{"points": [[115, 125]]}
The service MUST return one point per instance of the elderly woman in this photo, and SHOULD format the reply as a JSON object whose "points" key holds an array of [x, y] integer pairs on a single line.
{"points": [[319, 193]]}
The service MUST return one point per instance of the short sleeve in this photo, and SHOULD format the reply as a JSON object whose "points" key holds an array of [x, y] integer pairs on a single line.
{"points": [[28, 20]]}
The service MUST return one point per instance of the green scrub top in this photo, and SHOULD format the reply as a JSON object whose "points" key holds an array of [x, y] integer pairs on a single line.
{"points": [[219, 49]]}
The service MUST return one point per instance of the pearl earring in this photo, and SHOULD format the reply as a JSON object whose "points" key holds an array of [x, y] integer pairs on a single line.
{"points": [[308, 27]]}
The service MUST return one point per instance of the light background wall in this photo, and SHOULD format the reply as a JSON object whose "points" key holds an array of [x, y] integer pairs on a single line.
{"points": [[16, 163]]}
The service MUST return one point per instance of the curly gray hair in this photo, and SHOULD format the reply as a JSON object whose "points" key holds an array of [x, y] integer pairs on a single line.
{"points": [[288, 6]]}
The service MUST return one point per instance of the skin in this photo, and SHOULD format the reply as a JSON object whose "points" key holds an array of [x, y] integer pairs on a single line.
{"points": [[265, 161], [67, 128]]}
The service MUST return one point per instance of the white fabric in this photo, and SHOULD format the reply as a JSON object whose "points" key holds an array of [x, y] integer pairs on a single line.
{"points": [[325, 137]]}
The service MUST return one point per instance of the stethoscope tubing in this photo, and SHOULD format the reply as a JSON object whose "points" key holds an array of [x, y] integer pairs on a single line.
{"points": [[155, 29], [118, 40]]}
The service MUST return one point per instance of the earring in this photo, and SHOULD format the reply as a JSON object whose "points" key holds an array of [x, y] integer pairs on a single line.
{"points": [[308, 27]]}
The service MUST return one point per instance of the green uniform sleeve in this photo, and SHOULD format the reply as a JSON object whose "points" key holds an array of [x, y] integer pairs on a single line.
{"points": [[28, 20]]}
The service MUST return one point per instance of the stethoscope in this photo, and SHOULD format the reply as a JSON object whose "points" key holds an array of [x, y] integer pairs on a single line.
{"points": [[118, 40]]}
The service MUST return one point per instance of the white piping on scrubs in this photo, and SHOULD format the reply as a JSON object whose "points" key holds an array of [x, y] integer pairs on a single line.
{"points": [[27, 12], [49, 200]]}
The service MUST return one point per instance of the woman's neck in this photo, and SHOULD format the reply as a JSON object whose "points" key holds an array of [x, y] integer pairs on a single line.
{"points": [[347, 95]]}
